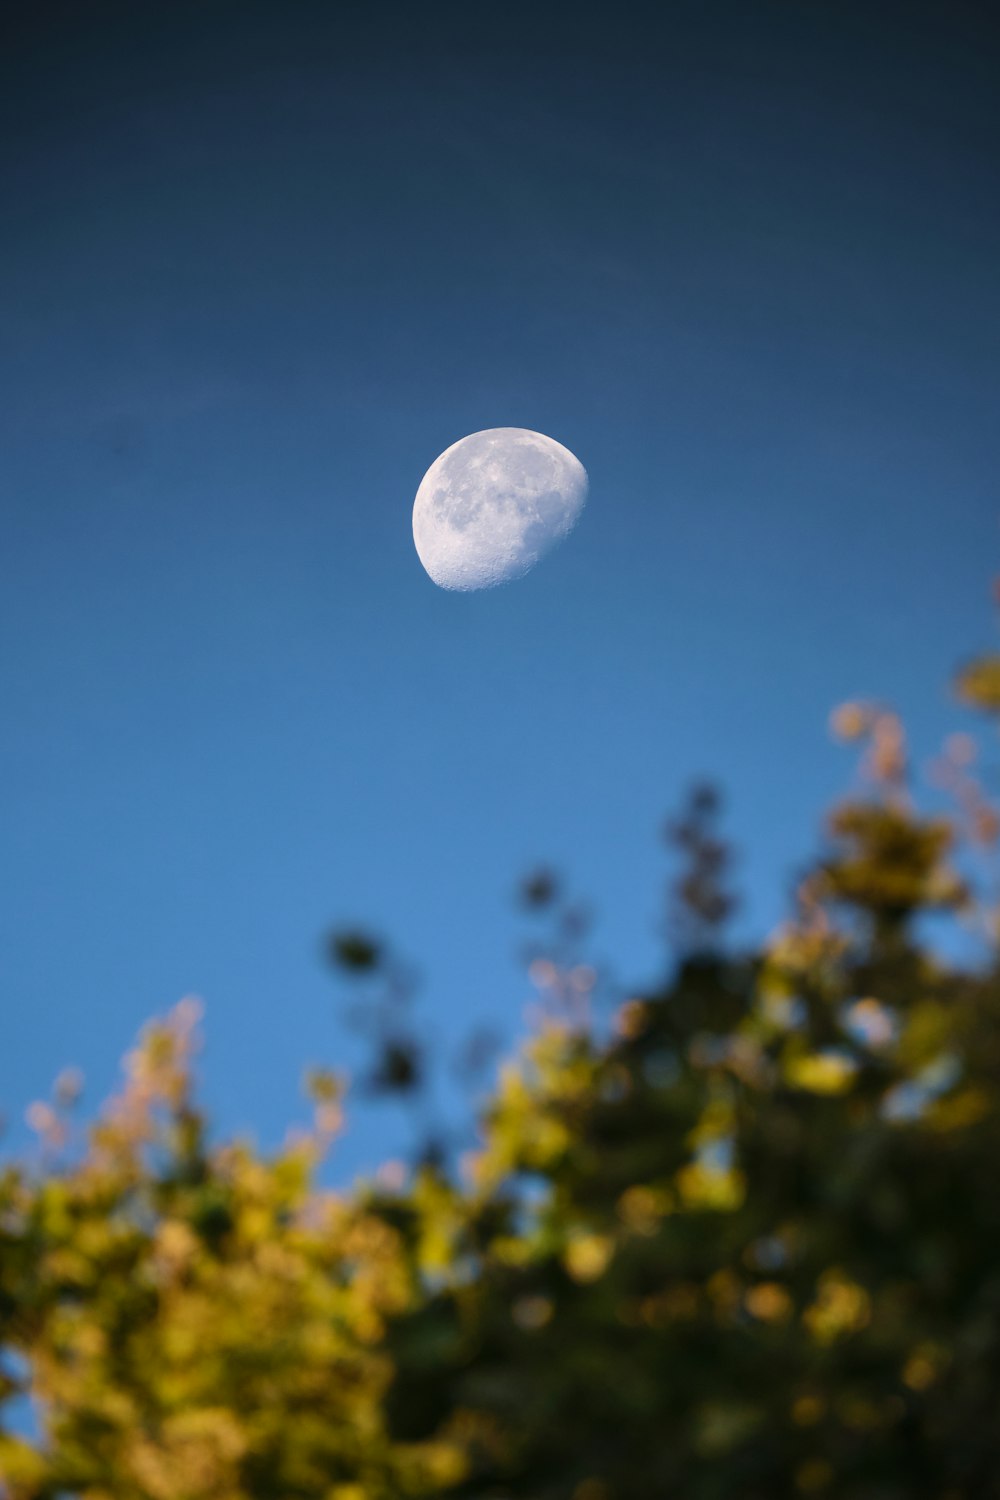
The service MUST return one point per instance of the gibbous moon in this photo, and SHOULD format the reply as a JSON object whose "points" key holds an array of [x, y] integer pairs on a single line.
{"points": [[493, 504]]}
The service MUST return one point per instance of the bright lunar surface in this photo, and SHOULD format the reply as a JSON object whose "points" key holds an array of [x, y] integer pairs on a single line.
{"points": [[493, 504]]}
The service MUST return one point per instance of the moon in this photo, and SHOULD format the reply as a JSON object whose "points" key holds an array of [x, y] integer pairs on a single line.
{"points": [[493, 504]]}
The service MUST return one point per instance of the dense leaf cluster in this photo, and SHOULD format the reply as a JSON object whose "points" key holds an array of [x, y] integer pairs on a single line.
{"points": [[741, 1243]]}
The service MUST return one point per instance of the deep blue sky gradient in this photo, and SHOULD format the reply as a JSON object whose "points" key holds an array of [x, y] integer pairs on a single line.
{"points": [[259, 265]]}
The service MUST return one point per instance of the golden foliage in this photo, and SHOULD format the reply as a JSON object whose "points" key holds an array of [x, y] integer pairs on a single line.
{"points": [[740, 1242]]}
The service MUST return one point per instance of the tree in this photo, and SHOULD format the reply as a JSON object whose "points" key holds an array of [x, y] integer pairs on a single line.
{"points": [[739, 1244]]}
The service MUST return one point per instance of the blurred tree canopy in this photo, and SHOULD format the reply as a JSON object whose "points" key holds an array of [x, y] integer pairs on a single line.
{"points": [[739, 1241]]}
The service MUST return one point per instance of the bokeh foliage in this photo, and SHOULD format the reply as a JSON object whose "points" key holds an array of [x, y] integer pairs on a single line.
{"points": [[740, 1241]]}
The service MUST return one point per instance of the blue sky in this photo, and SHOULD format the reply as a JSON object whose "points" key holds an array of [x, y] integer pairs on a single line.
{"points": [[260, 265]]}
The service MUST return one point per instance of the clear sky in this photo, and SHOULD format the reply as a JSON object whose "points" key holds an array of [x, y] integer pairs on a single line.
{"points": [[259, 265]]}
